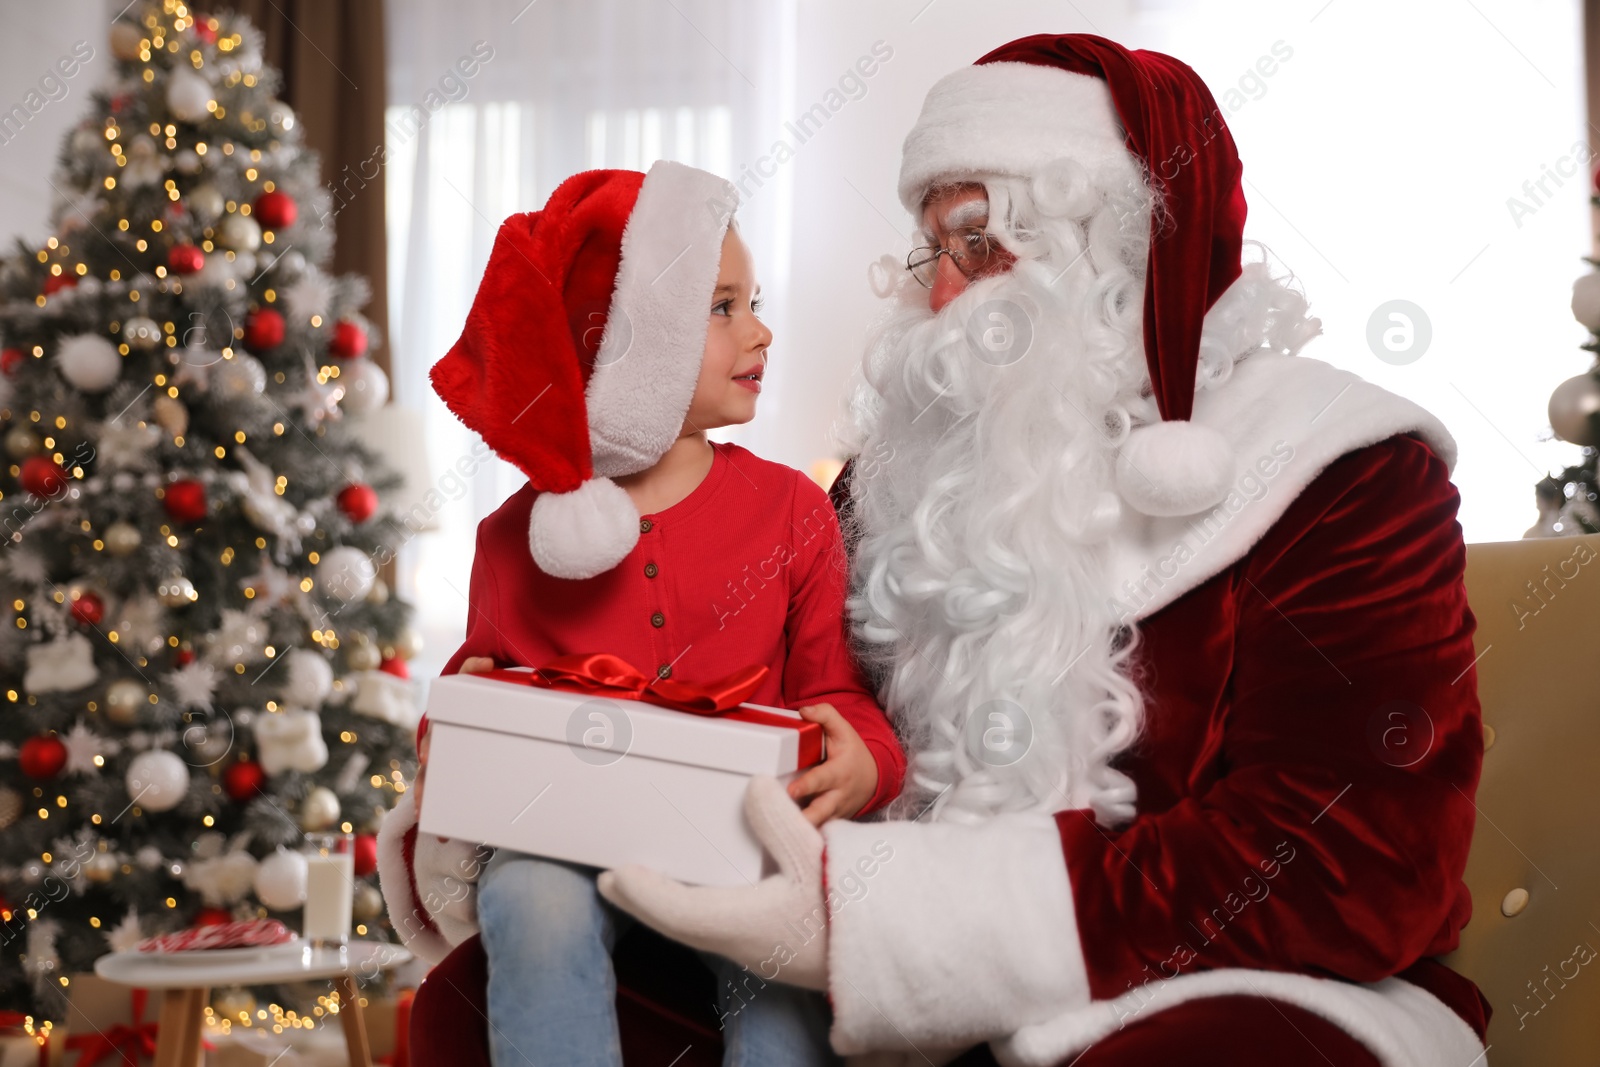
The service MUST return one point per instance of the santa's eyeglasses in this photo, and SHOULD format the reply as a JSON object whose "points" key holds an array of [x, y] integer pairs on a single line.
{"points": [[969, 248]]}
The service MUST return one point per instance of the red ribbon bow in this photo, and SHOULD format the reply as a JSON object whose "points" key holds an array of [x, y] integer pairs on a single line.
{"points": [[127, 1042], [608, 675], [603, 674]]}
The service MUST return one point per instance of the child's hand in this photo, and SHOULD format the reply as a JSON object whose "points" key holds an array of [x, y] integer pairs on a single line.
{"points": [[470, 665], [842, 784]]}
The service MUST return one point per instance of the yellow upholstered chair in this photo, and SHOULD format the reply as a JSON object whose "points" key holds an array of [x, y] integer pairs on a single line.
{"points": [[1533, 945]]}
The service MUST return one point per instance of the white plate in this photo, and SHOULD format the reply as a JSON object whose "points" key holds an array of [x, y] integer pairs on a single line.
{"points": [[210, 956]]}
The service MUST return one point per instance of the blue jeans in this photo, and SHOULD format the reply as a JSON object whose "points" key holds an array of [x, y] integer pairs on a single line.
{"points": [[552, 993]]}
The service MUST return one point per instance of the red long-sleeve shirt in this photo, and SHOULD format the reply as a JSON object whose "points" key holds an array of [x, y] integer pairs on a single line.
{"points": [[749, 568]]}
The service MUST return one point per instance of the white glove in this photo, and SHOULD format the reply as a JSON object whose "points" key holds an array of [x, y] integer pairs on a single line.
{"points": [[777, 929]]}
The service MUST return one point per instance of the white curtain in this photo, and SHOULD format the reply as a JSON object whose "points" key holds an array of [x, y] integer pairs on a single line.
{"points": [[492, 104]]}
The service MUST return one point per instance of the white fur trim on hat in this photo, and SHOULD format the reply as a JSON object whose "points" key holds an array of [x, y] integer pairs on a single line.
{"points": [[585, 532], [1174, 467], [1009, 118], [649, 359]]}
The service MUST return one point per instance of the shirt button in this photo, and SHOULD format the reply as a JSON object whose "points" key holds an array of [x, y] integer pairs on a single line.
{"points": [[650, 570], [658, 619], [645, 525], [664, 671]]}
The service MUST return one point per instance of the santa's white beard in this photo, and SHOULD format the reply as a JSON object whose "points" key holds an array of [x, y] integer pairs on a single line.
{"points": [[982, 496]]}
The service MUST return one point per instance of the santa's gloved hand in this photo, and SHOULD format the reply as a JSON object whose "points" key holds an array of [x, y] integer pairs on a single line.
{"points": [[777, 928]]}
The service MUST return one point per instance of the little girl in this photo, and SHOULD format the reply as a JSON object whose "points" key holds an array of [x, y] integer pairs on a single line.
{"points": [[609, 333]]}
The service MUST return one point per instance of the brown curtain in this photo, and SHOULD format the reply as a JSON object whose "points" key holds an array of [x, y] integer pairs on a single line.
{"points": [[331, 56]]}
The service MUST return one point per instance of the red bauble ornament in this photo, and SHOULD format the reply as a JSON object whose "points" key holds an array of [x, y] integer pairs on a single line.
{"points": [[43, 476], [89, 609], [213, 917], [396, 666], [349, 340], [205, 31], [183, 657], [243, 780], [365, 854], [185, 259], [358, 502], [11, 359], [54, 283], [275, 210], [263, 329], [42, 757], [185, 500]]}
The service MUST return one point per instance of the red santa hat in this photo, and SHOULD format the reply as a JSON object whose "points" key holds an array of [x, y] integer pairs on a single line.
{"points": [[1041, 98], [582, 349]]}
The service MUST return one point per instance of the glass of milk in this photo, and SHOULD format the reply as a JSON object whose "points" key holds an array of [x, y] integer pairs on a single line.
{"points": [[330, 889]]}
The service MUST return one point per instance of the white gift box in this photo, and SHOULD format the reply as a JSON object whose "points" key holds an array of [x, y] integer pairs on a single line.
{"points": [[602, 781]]}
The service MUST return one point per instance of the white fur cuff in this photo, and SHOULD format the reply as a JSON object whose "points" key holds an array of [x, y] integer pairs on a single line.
{"points": [[948, 935]]}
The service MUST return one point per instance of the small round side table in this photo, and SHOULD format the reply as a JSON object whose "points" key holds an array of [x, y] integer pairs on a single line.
{"points": [[186, 983]]}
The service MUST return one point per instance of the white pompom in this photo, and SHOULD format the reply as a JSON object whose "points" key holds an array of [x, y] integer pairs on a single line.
{"points": [[281, 880], [1586, 301], [188, 95], [310, 678], [89, 362], [157, 780], [585, 532], [1174, 468]]}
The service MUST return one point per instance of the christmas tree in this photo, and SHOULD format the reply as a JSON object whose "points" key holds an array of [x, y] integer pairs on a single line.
{"points": [[1569, 503], [199, 660]]}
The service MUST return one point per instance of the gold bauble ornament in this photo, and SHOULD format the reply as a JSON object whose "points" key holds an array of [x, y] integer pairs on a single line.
{"points": [[141, 334], [362, 654], [124, 700], [177, 591], [319, 810], [101, 868], [408, 643], [10, 806], [379, 593], [122, 538], [22, 442], [1575, 410], [368, 903]]}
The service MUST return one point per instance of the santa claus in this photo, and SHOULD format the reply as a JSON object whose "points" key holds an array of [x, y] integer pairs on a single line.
{"points": [[1170, 617]]}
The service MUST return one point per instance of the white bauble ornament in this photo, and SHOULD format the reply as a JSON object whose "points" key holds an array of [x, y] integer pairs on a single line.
{"points": [[366, 386], [205, 202], [290, 741], [189, 95], [319, 810], [102, 867], [89, 362], [240, 233], [281, 880], [141, 334], [157, 780], [61, 665], [187, 161], [379, 593], [239, 378], [215, 273], [125, 698], [346, 573], [309, 678], [1586, 301], [126, 41]]}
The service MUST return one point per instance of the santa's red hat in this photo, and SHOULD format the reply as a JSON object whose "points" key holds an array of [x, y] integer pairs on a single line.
{"points": [[1082, 97], [583, 346]]}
